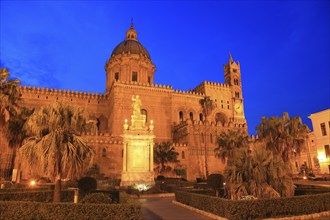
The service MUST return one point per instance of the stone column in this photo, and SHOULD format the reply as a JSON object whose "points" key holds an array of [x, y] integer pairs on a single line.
{"points": [[151, 159], [124, 157]]}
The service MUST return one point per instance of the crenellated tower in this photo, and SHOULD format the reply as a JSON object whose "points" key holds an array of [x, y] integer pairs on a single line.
{"points": [[233, 79]]}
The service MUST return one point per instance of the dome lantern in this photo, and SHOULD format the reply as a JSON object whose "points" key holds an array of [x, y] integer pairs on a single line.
{"points": [[131, 34]]}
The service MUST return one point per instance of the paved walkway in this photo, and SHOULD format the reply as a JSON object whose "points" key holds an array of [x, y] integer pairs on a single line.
{"points": [[164, 209]]}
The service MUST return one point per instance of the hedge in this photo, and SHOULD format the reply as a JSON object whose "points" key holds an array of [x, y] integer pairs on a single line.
{"points": [[259, 208], [113, 193], [36, 210], [36, 196], [310, 191]]}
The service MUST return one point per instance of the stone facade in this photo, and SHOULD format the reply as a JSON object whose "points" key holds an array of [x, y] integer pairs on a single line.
{"points": [[321, 141], [177, 115]]}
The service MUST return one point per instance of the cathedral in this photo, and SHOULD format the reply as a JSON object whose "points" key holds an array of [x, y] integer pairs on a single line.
{"points": [[178, 116]]}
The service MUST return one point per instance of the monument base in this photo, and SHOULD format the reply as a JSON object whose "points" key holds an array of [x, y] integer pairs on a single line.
{"points": [[131, 178]]}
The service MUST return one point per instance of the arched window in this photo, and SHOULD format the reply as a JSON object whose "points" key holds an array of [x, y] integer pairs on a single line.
{"points": [[182, 155], [181, 116], [236, 81], [211, 138], [117, 76], [202, 137], [191, 116], [201, 117], [134, 76], [104, 152], [144, 112], [219, 117]]}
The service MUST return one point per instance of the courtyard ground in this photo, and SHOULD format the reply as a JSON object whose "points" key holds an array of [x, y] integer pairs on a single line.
{"points": [[164, 209]]}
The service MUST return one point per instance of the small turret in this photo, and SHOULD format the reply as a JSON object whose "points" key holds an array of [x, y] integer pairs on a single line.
{"points": [[131, 34]]}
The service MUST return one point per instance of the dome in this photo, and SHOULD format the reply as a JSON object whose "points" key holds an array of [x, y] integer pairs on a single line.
{"points": [[131, 45]]}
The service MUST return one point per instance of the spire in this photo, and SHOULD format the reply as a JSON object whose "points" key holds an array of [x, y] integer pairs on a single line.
{"points": [[131, 33], [230, 58]]}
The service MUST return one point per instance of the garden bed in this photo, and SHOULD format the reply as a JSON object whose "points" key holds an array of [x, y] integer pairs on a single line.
{"points": [[55, 211], [259, 208]]}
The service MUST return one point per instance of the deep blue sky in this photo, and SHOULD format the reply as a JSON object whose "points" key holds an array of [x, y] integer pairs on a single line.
{"points": [[283, 47]]}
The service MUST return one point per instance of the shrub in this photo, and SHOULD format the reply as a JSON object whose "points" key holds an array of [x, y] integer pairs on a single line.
{"points": [[258, 208], [6, 185], [215, 182], [160, 178], [124, 198], [97, 198], [310, 191], [69, 184], [36, 196], [170, 188], [87, 184], [55, 211], [114, 194], [43, 180], [200, 180]]}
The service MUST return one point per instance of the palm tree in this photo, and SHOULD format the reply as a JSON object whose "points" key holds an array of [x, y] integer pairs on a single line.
{"points": [[16, 134], [207, 105], [55, 145], [229, 142], [9, 111], [164, 153], [9, 96], [283, 136], [258, 173]]}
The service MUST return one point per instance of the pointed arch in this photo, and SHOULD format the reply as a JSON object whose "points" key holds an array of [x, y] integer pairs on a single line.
{"points": [[220, 118]]}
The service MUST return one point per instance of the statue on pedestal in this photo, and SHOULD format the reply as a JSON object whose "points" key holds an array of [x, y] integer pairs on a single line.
{"points": [[136, 105], [138, 142]]}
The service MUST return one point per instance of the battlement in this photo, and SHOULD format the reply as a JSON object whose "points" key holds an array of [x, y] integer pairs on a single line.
{"points": [[229, 124], [60, 92], [205, 83], [158, 86], [191, 92], [102, 138], [253, 137], [143, 84]]}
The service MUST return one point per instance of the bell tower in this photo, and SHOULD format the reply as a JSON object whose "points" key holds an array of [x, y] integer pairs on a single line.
{"points": [[233, 79]]}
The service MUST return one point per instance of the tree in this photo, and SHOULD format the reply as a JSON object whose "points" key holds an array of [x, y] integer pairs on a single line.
{"points": [[216, 182], [259, 174], [228, 142], [9, 96], [164, 153], [54, 144], [10, 116], [207, 105], [15, 134], [283, 136]]}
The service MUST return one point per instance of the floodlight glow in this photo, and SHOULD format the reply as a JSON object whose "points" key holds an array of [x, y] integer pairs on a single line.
{"points": [[141, 187], [32, 183], [321, 156]]}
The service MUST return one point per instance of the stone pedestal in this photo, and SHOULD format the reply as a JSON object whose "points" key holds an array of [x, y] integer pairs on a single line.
{"points": [[138, 141]]}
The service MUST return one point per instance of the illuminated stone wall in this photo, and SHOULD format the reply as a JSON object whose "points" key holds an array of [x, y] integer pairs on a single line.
{"points": [[177, 114]]}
